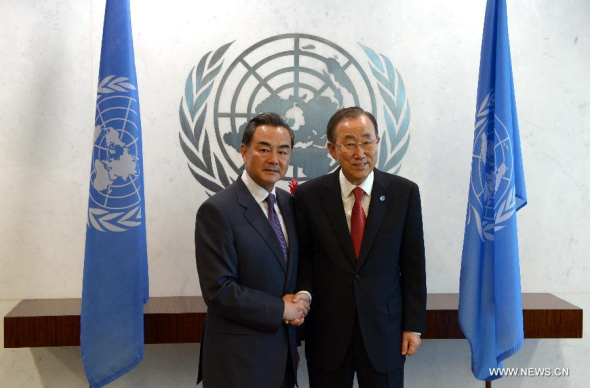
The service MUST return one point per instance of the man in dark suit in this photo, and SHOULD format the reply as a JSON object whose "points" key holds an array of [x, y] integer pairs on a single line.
{"points": [[246, 249], [362, 259]]}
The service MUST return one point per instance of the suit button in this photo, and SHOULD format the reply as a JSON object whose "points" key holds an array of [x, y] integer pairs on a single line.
{"points": [[357, 277]]}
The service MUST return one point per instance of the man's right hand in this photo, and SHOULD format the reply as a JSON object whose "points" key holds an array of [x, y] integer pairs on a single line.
{"points": [[295, 308]]}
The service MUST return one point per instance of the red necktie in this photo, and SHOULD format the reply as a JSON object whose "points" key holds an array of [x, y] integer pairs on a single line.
{"points": [[357, 221]]}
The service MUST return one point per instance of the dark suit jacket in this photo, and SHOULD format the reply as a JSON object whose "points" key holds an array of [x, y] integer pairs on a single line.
{"points": [[243, 276], [386, 288]]}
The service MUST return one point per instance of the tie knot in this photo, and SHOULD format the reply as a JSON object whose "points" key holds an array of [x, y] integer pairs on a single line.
{"points": [[270, 199], [358, 194]]}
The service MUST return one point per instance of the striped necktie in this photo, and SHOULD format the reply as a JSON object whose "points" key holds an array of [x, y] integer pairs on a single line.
{"points": [[275, 223]]}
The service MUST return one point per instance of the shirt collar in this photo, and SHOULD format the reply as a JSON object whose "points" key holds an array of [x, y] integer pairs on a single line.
{"points": [[346, 187], [257, 192]]}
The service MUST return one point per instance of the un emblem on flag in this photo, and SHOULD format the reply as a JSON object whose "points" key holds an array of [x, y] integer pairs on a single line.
{"points": [[303, 78], [492, 199], [115, 181]]}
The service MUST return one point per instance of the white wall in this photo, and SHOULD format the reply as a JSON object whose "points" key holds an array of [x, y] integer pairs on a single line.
{"points": [[49, 68]]}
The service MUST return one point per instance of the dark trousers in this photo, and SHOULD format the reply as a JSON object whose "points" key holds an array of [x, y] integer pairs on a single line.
{"points": [[290, 378], [356, 360]]}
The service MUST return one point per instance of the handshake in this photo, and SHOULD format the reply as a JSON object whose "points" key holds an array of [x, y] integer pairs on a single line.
{"points": [[296, 308]]}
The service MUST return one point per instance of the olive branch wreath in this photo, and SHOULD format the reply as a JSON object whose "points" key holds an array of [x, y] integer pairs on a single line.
{"points": [[102, 219], [110, 84], [396, 111], [194, 139]]}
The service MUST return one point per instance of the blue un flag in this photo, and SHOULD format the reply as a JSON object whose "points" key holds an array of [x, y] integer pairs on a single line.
{"points": [[490, 301], [115, 262]]}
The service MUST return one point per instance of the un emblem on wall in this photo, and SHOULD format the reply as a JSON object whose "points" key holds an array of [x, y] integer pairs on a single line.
{"points": [[492, 173], [305, 79]]}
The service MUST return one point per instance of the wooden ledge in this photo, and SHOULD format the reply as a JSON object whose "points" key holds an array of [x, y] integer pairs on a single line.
{"points": [[544, 316], [56, 322]]}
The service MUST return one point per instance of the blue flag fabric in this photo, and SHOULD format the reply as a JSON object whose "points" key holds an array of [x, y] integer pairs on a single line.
{"points": [[490, 300], [115, 285]]}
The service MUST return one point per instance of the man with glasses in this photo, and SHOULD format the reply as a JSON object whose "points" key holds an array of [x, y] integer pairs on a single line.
{"points": [[362, 260]]}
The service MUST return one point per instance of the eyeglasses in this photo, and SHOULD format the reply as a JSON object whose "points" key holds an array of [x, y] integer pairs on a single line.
{"points": [[367, 146]]}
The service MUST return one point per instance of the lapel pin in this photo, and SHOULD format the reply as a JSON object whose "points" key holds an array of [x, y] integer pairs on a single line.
{"points": [[382, 198]]}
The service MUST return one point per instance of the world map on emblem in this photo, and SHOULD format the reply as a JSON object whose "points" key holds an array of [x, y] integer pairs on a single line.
{"points": [[301, 77], [491, 175], [114, 182]]}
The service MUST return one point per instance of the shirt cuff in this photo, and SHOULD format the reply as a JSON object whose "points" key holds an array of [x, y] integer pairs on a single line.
{"points": [[306, 293]]}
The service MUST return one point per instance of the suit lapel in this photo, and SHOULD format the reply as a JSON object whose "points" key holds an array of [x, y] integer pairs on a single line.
{"points": [[332, 202], [255, 216], [377, 208]]}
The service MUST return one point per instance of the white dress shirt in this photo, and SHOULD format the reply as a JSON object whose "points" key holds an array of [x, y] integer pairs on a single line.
{"points": [[348, 196], [260, 195]]}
